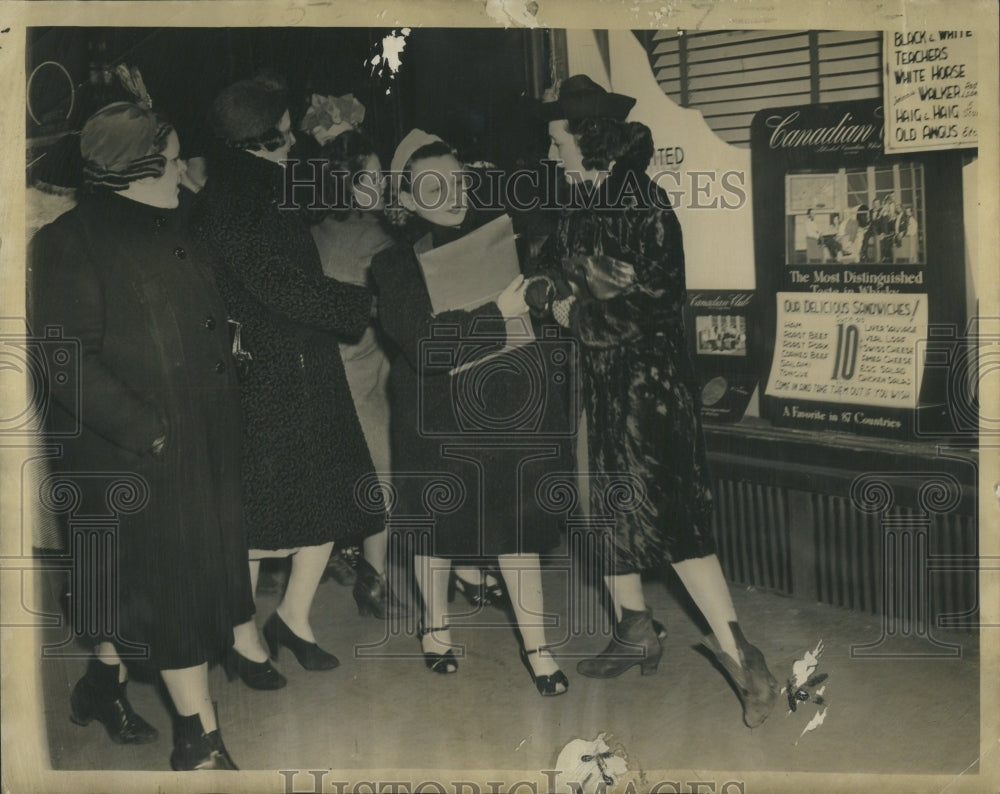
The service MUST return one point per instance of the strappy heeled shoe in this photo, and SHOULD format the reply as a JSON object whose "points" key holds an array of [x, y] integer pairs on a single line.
{"points": [[443, 663], [496, 593], [309, 654], [547, 685], [256, 675], [479, 595], [475, 594]]}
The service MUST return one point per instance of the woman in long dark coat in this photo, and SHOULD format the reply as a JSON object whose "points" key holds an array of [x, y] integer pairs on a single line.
{"points": [[625, 256], [304, 452], [159, 428], [457, 447]]}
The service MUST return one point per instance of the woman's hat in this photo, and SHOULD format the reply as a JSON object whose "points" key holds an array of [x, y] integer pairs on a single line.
{"points": [[328, 116], [580, 97], [246, 110], [121, 143], [415, 139]]}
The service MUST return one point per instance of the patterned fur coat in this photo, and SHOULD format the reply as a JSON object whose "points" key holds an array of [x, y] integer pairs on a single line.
{"points": [[638, 383]]}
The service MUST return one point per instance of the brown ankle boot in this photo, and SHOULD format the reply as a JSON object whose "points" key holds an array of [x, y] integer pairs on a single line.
{"points": [[634, 642], [756, 687]]}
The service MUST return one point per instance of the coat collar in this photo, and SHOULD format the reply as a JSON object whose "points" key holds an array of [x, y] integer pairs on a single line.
{"points": [[109, 205], [243, 171]]}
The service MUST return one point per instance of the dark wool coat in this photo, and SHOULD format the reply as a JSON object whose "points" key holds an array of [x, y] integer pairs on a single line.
{"points": [[471, 450], [132, 298], [638, 382], [305, 452]]}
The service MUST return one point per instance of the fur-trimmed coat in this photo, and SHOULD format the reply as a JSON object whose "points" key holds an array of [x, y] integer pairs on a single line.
{"points": [[305, 451]]}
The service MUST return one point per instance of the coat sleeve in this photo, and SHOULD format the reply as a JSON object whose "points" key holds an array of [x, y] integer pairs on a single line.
{"points": [[65, 292], [255, 258], [404, 307], [651, 241]]}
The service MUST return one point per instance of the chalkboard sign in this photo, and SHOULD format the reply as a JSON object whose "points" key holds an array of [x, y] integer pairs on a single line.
{"points": [[860, 264]]}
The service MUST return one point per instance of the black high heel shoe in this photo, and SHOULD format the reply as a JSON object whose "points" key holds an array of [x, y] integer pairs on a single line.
{"points": [[309, 654], [373, 595], [256, 675], [479, 595], [443, 663], [475, 594], [547, 685], [496, 593]]}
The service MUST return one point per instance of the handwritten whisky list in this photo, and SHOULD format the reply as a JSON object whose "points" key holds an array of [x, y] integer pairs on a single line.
{"points": [[860, 349], [931, 90]]}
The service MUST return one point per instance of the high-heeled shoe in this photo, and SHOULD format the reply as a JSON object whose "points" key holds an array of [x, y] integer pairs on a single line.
{"points": [[256, 675], [495, 592], [195, 749], [373, 595], [443, 663], [475, 594], [309, 654], [755, 686], [484, 594], [634, 642], [99, 696], [547, 685]]}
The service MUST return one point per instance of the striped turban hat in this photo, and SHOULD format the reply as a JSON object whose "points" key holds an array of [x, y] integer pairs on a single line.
{"points": [[122, 143]]}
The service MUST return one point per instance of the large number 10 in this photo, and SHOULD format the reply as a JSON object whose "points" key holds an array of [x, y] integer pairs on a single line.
{"points": [[847, 352]]}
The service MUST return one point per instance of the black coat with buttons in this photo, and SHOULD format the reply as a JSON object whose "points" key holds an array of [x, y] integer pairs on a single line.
{"points": [[306, 456], [138, 350]]}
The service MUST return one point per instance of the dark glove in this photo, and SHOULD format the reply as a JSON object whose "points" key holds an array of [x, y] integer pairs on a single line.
{"points": [[538, 295]]}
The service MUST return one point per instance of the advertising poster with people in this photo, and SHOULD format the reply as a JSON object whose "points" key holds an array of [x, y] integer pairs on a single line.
{"points": [[860, 255]]}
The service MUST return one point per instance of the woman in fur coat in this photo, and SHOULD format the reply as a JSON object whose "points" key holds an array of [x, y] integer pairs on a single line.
{"points": [[617, 266]]}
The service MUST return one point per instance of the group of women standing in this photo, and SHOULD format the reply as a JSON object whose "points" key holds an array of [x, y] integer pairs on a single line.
{"points": [[320, 332]]}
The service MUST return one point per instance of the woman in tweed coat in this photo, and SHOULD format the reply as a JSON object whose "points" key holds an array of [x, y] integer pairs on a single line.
{"points": [[305, 452]]}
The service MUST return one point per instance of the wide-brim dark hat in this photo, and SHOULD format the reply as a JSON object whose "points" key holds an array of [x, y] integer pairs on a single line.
{"points": [[580, 97]]}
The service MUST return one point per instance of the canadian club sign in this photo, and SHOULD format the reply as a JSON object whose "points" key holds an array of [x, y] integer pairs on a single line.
{"points": [[847, 132], [860, 262], [721, 331]]}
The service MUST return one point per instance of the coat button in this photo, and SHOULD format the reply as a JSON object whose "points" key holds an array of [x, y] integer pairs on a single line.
{"points": [[220, 367], [180, 253], [210, 323], [159, 220]]}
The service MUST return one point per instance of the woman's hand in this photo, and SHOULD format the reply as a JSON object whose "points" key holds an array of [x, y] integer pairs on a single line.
{"points": [[511, 301]]}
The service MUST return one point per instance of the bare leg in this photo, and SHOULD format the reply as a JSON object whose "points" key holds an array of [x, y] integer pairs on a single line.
{"points": [[246, 639], [432, 575], [626, 591], [523, 577], [308, 564], [105, 651], [188, 688], [707, 587], [467, 574], [375, 547]]}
